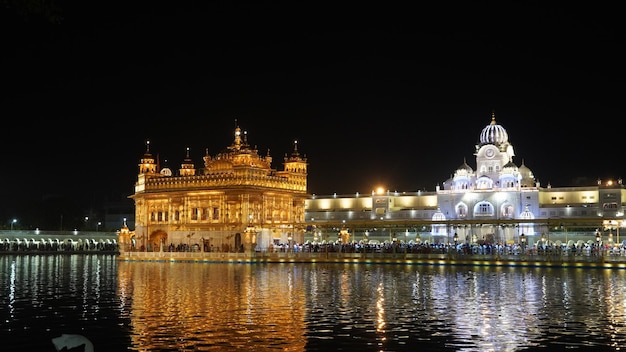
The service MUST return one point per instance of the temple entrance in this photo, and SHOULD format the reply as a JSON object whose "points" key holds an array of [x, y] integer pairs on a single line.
{"points": [[157, 240], [238, 244]]}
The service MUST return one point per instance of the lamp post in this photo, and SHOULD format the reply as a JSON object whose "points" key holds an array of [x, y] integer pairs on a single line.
{"points": [[456, 240], [289, 238], [522, 240], [598, 240], [98, 225], [13, 222], [406, 245], [618, 224]]}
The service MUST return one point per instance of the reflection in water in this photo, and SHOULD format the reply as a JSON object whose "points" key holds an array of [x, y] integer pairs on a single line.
{"points": [[204, 306], [46, 296], [184, 306]]}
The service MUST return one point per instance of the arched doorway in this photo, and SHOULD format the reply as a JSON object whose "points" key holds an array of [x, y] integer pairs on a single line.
{"points": [[157, 240], [238, 244]]}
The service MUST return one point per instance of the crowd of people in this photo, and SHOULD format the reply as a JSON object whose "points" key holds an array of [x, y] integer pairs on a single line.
{"points": [[579, 248], [458, 249], [57, 247]]}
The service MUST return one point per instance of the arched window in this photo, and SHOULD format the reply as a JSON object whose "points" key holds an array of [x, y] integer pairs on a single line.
{"points": [[461, 210], [483, 209], [507, 210]]}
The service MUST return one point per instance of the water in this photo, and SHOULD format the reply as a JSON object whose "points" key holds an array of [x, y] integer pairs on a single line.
{"points": [[166, 306]]}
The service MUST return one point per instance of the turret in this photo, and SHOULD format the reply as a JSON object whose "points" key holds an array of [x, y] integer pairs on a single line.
{"points": [[295, 163], [147, 165], [187, 168]]}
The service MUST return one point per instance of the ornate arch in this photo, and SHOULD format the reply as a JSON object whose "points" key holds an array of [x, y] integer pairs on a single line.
{"points": [[157, 238]]}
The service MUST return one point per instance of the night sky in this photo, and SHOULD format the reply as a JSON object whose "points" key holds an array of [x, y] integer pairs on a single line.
{"points": [[374, 94]]}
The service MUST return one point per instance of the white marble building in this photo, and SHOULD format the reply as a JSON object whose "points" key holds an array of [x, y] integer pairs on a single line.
{"points": [[498, 201]]}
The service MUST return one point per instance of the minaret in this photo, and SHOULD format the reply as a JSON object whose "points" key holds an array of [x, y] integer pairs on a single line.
{"points": [[206, 157], [187, 168], [147, 169], [148, 165], [295, 163], [268, 158], [237, 143]]}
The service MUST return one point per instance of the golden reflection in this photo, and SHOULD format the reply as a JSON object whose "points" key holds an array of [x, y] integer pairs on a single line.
{"points": [[380, 308], [615, 301], [252, 307]]}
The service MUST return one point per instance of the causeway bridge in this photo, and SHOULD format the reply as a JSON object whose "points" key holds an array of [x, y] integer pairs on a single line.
{"points": [[27, 240]]}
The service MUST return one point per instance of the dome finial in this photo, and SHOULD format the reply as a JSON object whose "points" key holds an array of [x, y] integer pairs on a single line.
{"points": [[493, 116]]}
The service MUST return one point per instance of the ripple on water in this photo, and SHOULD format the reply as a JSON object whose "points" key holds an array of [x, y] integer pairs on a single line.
{"points": [[305, 307]]}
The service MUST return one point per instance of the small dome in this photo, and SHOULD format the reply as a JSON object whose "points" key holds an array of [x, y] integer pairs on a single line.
{"points": [[526, 214], [510, 165], [449, 183], [524, 169], [528, 179], [493, 133], [438, 216], [465, 167]]}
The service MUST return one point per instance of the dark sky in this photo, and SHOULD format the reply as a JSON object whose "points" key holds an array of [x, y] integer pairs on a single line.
{"points": [[375, 94]]}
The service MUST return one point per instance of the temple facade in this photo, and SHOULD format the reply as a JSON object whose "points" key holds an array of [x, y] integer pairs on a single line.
{"points": [[498, 201], [236, 202]]}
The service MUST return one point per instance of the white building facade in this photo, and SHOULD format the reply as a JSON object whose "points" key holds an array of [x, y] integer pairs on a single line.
{"points": [[498, 202]]}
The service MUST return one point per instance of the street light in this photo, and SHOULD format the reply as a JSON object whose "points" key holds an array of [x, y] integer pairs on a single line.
{"points": [[13, 222], [522, 239], [619, 224], [98, 225], [289, 238], [598, 239], [456, 240]]}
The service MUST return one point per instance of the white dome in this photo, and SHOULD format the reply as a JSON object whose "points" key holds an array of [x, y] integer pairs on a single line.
{"points": [[527, 214], [493, 133], [528, 179], [438, 216]]}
